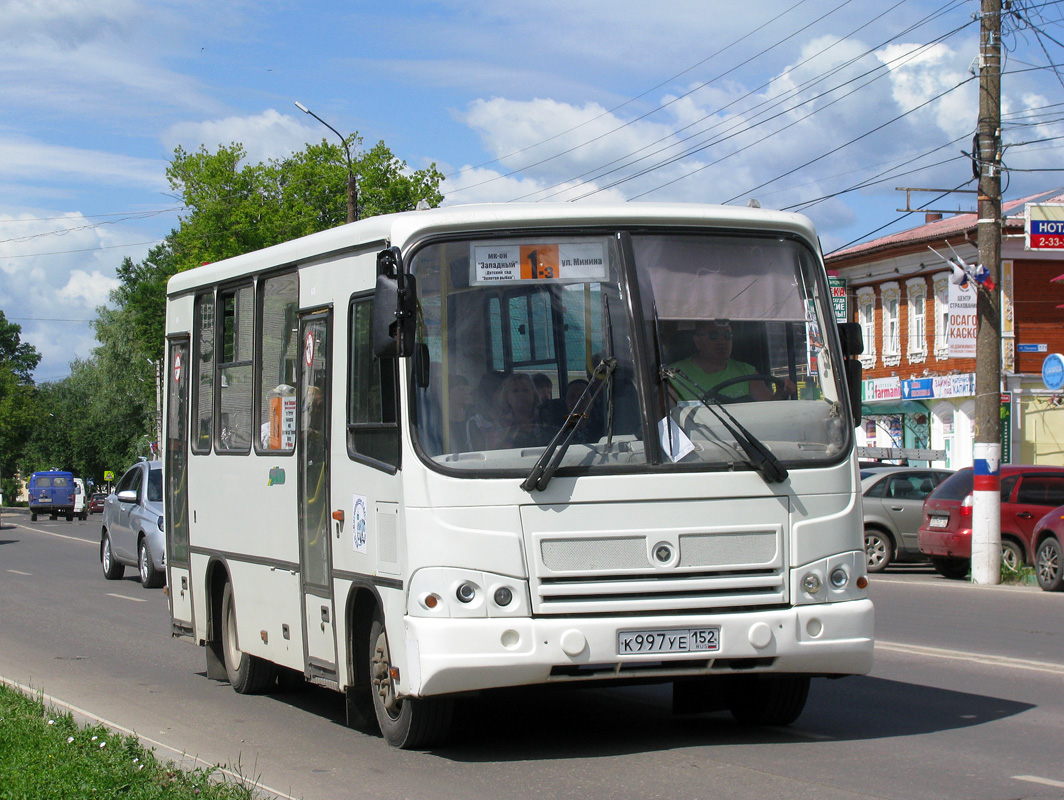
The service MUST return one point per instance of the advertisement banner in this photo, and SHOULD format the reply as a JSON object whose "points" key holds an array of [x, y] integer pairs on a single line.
{"points": [[839, 300], [961, 328]]}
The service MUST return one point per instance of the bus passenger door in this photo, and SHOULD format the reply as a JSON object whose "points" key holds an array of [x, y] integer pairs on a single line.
{"points": [[315, 555], [176, 496]]}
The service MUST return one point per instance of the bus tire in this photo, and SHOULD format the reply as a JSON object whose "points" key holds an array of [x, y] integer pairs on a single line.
{"points": [[247, 674], [768, 699], [407, 723], [112, 569]]}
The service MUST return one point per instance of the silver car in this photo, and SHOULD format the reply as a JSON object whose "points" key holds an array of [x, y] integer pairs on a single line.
{"points": [[893, 511], [132, 533]]}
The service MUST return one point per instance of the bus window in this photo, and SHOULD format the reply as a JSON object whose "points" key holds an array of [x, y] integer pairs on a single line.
{"points": [[490, 343], [278, 302], [234, 370], [372, 423], [203, 365]]}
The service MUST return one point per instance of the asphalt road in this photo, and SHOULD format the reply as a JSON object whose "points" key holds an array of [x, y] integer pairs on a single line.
{"points": [[966, 700]]}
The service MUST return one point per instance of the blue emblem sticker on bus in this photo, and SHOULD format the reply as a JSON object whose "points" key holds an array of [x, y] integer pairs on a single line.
{"points": [[276, 476], [358, 529]]}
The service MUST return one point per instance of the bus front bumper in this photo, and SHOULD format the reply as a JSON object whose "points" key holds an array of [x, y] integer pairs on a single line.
{"points": [[458, 655]]}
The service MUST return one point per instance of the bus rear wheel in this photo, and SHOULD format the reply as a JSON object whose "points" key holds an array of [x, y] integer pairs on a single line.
{"points": [[768, 699], [408, 723], [247, 674]]}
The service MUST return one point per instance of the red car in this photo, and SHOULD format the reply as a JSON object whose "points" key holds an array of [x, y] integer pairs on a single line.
{"points": [[1027, 493], [96, 503], [1048, 552]]}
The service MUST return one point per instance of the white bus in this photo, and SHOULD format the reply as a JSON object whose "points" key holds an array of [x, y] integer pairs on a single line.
{"points": [[459, 449]]}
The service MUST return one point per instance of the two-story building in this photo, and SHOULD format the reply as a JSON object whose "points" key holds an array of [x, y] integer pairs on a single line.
{"points": [[916, 394]]}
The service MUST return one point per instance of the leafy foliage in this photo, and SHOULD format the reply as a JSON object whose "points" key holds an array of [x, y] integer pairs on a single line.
{"points": [[103, 416]]}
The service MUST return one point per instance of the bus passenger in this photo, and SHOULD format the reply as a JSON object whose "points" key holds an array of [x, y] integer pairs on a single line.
{"points": [[517, 420], [544, 387], [481, 425]]}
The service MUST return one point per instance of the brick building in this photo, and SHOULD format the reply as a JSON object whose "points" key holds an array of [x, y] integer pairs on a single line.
{"points": [[915, 393]]}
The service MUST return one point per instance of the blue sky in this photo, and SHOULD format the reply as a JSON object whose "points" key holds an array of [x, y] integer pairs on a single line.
{"points": [[792, 102]]}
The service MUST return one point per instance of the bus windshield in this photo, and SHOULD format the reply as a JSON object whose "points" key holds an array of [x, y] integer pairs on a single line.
{"points": [[515, 334]]}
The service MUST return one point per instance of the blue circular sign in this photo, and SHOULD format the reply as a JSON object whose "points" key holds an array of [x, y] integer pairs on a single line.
{"points": [[1053, 372]]}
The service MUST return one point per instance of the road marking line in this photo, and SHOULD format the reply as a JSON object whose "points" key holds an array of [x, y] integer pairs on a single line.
{"points": [[127, 597], [48, 699], [981, 658], [20, 572], [1036, 779], [57, 535]]}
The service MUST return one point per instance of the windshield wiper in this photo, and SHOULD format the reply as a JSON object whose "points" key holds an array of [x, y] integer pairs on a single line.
{"points": [[760, 457], [547, 464]]}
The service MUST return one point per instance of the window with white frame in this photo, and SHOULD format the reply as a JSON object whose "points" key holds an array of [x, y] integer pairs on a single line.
{"points": [[890, 295], [941, 284], [916, 292], [866, 317]]}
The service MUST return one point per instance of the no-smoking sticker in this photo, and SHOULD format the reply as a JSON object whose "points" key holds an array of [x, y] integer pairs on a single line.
{"points": [[308, 348], [177, 367]]}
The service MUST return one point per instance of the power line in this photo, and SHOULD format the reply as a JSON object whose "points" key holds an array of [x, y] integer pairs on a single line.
{"points": [[743, 127], [653, 111]]}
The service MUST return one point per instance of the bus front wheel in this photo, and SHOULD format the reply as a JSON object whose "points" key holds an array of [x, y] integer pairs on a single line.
{"points": [[768, 699], [408, 723], [247, 674]]}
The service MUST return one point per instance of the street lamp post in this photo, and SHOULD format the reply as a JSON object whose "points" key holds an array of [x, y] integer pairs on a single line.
{"points": [[352, 188]]}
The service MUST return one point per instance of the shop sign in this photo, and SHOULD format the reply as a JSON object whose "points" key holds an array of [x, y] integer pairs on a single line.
{"points": [[839, 301], [1006, 427], [920, 389], [885, 389], [954, 385], [1053, 372], [1044, 226], [962, 326]]}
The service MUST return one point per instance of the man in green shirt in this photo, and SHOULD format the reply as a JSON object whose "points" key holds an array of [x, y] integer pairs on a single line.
{"points": [[712, 365]]}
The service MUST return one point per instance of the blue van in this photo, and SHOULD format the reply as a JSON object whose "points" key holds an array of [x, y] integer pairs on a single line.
{"points": [[52, 493]]}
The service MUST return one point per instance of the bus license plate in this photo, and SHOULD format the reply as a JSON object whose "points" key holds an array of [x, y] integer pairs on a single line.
{"points": [[938, 522], [678, 640]]}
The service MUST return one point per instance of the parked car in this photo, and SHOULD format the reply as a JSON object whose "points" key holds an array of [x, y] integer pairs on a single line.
{"points": [[1027, 493], [81, 500], [132, 533], [893, 500], [96, 502], [1048, 551], [51, 493]]}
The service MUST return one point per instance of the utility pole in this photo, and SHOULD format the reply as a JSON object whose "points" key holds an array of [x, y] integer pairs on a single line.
{"points": [[986, 494]]}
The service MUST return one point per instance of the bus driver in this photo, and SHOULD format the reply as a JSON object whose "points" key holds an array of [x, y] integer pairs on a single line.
{"points": [[712, 365]]}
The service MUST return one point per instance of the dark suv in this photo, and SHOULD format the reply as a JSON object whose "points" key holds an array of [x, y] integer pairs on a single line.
{"points": [[1027, 493]]}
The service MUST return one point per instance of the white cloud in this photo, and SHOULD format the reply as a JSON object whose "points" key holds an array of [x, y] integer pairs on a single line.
{"points": [[23, 159], [91, 289], [267, 135]]}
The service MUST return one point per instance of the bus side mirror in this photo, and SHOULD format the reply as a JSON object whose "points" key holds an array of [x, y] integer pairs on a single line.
{"points": [[852, 339], [394, 307], [854, 378]]}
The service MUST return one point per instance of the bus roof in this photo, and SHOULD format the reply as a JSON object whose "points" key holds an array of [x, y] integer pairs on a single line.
{"points": [[399, 229]]}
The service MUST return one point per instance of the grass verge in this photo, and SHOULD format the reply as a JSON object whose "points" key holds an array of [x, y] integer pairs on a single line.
{"points": [[44, 753]]}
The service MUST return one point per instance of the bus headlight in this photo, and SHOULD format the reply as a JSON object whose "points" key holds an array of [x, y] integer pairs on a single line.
{"points": [[830, 580], [452, 592]]}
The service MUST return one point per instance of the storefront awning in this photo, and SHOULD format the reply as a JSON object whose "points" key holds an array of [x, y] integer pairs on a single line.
{"points": [[893, 409]]}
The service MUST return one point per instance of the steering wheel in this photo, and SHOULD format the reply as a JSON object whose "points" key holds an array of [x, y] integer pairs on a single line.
{"points": [[779, 386]]}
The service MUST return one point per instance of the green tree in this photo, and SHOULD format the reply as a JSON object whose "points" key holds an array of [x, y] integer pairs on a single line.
{"points": [[20, 357], [18, 401]]}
